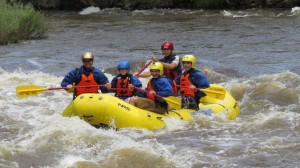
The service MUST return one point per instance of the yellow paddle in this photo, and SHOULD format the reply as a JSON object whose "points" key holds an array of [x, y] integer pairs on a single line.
{"points": [[174, 102], [215, 91], [33, 90]]}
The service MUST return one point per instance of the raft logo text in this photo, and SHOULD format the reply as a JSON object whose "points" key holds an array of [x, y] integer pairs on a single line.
{"points": [[123, 106]]}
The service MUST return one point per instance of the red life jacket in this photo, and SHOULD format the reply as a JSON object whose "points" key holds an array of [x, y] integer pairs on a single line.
{"points": [[149, 87], [174, 87], [123, 83], [86, 81], [170, 73], [184, 81]]}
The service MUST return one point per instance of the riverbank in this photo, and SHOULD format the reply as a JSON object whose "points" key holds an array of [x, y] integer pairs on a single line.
{"points": [[20, 22], [146, 4]]}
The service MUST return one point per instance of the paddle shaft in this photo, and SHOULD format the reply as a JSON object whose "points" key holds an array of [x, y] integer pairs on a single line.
{"points": [[32, 90], [137, 75], [145, 91], [86, 87], [58, 88], [188, 87]]}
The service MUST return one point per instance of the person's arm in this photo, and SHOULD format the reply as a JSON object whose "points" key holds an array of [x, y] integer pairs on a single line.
{"points": [[164, 88], [101, 79], [140, 93], [69, 79], [136, 82], [114, 82], [200, 80], [171, 65]]}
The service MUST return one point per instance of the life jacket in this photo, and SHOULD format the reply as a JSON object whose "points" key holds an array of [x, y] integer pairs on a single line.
{"points": [[184, 81], [86, 81], [151, 86], [123, 83], [174, 87], [171, 73]]}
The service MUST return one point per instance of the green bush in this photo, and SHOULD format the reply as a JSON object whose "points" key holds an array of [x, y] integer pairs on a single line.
{"points": [[20, 22]]}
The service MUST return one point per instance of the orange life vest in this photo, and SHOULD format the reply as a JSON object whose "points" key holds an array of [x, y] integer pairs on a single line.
{"points": [[123, 83], [184, 81], [149, 87], [174, 87], [86, 81]]}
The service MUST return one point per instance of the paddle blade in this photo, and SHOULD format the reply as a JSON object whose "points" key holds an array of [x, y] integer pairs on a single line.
{"points": [[29, 90], [215, 91], [174, 102]]}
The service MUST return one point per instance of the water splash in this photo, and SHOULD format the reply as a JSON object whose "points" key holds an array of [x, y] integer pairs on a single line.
{"points": [[89, 10]]}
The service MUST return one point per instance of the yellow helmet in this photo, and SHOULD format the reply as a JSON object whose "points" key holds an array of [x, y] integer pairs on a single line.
{"points": [[87, 55], [157, 66], [189, 58]]}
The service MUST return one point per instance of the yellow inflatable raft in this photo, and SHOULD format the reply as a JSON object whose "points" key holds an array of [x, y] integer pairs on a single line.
{"points": [[105, 109]]}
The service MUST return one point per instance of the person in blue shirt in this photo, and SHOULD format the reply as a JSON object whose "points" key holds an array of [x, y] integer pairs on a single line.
{"points": [[170, 61], [86, 79], [125, 82], [190, 82], [158, 85]]}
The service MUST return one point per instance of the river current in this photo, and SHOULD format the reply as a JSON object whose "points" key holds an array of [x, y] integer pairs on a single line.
{"points": [[254, 53]]}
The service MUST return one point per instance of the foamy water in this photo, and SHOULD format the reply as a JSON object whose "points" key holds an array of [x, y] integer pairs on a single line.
{"points": [[89, 10], [296, 11], [33, 129]]}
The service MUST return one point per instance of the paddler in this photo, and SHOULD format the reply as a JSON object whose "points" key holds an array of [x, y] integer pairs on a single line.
{"points": [[124, 82], [87, 77], [158, 85], [170, 61], [189, 81]]}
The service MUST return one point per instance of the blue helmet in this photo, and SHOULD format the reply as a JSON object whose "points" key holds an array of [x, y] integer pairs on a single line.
{"points": [[124, 65]]}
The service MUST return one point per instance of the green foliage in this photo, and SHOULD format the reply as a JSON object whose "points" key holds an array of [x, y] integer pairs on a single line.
{"points": [[19, 22]]}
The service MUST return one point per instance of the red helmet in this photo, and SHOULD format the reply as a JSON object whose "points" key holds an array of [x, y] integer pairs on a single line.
{"points": [[167, 45]]}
